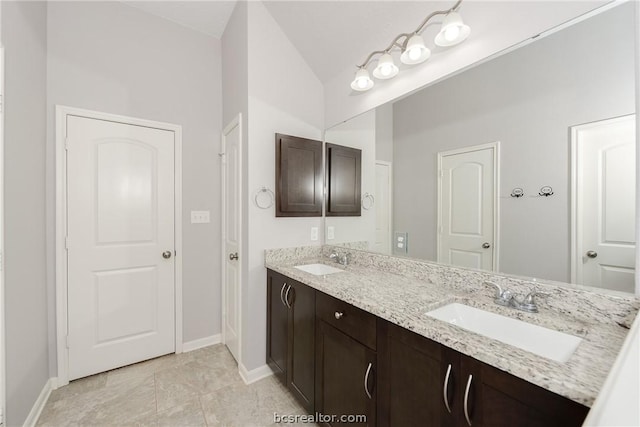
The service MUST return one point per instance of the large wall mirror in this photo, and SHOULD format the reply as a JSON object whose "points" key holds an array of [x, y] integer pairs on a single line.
{"points": [[524, 164]]}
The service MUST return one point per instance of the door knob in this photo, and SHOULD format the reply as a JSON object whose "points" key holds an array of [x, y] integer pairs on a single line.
{"points": [[166, 254], [338, 315], [233, 256], [486, 245], [592, 254]]}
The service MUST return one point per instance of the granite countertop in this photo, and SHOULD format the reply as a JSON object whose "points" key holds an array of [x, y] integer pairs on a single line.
{"points": [[404, 300]]}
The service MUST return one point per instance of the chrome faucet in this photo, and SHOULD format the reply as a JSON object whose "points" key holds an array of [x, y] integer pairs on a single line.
{"points": [[507, 299], [340, 259]]}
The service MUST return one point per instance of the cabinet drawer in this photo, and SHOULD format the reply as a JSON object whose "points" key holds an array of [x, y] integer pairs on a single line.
{"points": [[353, 321]]}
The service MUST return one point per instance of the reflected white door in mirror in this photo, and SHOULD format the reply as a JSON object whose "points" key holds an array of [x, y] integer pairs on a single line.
{"points": [[467, 201], [603, 206]]}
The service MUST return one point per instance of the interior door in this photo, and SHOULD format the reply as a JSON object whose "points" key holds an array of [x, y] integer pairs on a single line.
{"points": [[231, 229], [467, 200], [120, 215], [605, 154], [382, 207]]}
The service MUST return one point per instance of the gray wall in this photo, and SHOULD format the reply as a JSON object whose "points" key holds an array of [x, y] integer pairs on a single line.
{"points": [[384, 133], [24, 35], [527, 100], [110, 57]]}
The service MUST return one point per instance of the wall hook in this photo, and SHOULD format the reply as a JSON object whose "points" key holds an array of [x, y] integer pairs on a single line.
{"points": [[517, 192], [546, 191]]}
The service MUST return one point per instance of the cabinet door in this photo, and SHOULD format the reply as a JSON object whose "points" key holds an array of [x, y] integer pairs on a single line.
{"points": [[301, 372], [277, 325], [499, 399], [298, 176], [343, 180], [413, 373], [345, 376]]}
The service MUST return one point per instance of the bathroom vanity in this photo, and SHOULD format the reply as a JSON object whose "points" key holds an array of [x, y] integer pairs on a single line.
{"points": [[361, 341]]}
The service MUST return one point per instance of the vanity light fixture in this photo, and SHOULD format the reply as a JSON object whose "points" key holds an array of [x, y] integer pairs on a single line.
{"points": [[414, 51]]}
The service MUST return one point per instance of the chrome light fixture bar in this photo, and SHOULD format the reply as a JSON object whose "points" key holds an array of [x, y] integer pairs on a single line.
{"points": [[452, 32]]}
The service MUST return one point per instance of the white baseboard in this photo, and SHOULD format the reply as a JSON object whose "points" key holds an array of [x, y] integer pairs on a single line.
{"points": [[255, 374], [38, 406], [202, 342]]}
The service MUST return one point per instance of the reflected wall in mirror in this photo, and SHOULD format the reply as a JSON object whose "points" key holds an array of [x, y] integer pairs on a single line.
{"points": [[524, 164]]}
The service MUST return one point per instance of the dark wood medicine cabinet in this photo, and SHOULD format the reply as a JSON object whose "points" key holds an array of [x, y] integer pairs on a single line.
{"points": [[299, 178], [344, 180]]}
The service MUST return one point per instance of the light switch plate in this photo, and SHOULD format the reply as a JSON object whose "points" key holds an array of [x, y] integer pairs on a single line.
{"points": [[200, 217], [314, 233], [331, 233]]}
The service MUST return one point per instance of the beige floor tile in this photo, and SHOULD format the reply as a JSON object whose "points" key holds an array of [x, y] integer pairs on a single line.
{"points": [[187, 415], [181, 384], [252, 405], [198, 388]]}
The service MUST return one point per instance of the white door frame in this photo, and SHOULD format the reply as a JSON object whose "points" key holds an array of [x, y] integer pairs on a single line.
{"points": [[62, 112], [390, 204], [235, 122], [496, 195], [576, 201], [3, 371]]}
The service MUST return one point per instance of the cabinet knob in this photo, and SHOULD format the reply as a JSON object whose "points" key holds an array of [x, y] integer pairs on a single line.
{"points": [[339, 315]]}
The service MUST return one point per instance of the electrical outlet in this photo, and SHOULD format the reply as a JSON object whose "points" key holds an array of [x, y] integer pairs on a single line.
{"points": [[314, 233], [200, 217], [400, 242], [331, 233]]}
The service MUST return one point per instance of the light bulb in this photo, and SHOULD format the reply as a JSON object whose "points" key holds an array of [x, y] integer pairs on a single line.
{"points": [[362, 83], [414, 53], [386, 69], [452, 33]]}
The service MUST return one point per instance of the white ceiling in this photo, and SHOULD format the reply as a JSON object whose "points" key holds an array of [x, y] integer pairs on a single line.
{"points": [[334, 35], [208, 17]]}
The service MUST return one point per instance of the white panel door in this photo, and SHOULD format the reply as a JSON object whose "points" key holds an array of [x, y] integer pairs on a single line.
{"points": [[467, 197], [606, 198], [231, 226], [120, 214], [383, 208]]}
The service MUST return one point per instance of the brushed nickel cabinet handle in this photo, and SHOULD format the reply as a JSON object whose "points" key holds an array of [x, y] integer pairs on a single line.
{"points": [[281, 293], [338, 315], [445, 389], [366, 381], [466, 400], [286, 297]]}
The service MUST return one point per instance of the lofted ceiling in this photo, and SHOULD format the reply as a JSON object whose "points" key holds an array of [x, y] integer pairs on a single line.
{"points": [[334, 35], [208, 17]]}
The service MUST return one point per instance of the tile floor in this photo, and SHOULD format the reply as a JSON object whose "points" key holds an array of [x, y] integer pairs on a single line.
{"points": [[199, 388]]}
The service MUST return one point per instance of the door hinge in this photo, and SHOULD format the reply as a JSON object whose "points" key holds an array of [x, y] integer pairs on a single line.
{"points": [[441, 173], [1, 103], [66, 243], [66, 143], [440, 229], [67, 340]]}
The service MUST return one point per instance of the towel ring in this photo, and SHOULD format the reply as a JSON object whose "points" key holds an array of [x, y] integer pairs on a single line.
{"points": [[368, 201], [264, 198]]}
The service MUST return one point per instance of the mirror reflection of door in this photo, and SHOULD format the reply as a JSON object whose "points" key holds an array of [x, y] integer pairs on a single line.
{"points": [[603, 214], [467, 199], [382, 206]]}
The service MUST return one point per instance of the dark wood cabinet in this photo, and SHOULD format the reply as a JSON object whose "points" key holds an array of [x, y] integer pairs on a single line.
{"points": [[291, 335], [498, 399], [416, 376], [339, 360], [298, 176], [345, 376], [425, 383], [343, 180]]}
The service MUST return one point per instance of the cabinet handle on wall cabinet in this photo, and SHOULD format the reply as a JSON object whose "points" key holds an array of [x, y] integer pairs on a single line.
{"points": [[445, 389], [366, 381], [466, 399], [286, 297]]}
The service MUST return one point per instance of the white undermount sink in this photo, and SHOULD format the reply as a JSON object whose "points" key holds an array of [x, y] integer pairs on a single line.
{"points": [[544, 342], [318, 269]]}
